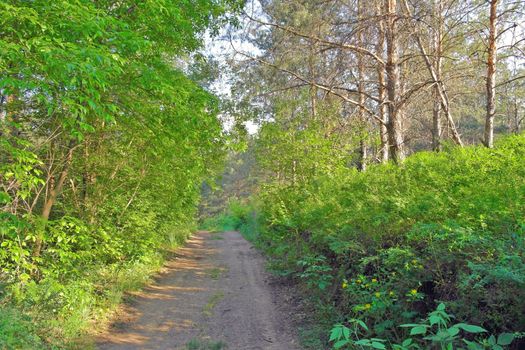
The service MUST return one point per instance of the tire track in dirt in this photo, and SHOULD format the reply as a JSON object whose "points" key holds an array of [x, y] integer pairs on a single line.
{"points": [[216, 290]]}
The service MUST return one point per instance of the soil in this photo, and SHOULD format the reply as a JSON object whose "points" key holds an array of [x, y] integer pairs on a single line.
{"points": [[215, 294]]}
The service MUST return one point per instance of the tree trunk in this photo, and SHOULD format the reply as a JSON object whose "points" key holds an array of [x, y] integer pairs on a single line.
{"points": [[443, 96], [517, 119], [3, 109], [382, 112], [395, 115], [491, 76], [313, 88], [361, 92], [436, 108], [55, 188], [383, 115], [436, 121]]}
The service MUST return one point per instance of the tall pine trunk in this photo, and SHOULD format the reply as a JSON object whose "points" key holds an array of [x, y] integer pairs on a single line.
{"points": [[361, 91], [436, 108], [382, 108], [393, 85], [491, 76]]}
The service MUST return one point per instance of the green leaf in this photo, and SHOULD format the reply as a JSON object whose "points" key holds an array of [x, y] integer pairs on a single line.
{"points": [[505, 338], [365, 342], [473, 345], [407, 342], [24, 277], [421, 329], [346, 332], [434, 320], [452, 331], [336, 332], [470, 328], [4, 198], [341, 343], [378, 345], [362, 324]]}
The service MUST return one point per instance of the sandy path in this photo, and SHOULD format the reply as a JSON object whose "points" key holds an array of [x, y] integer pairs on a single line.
{"points": [[215, 291]]}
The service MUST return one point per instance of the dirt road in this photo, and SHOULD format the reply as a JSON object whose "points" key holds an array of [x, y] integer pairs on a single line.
{"points": [[215, 294]]}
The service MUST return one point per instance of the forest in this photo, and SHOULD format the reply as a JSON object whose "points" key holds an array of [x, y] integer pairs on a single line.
{"points": [[372, 151]]}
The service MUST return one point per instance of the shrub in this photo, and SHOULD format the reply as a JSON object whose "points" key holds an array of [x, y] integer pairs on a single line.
{"points": [[17, 331], [398, 240]]}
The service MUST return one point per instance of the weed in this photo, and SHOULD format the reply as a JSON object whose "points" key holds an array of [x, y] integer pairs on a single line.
{"points": [[17, 331], [217, 272], [197, 344], [388, 244], [208, 308]]}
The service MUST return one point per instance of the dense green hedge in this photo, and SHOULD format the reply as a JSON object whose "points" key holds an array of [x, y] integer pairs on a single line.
{"points": [[387, 245], [106, 136]]}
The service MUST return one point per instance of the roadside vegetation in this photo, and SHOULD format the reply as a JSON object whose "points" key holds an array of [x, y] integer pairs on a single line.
{"points": [[106, 136], [383, 249], [386, 172], [379, 161]]}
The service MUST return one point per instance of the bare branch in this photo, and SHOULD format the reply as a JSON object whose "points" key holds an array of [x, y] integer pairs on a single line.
{"points": [[331, 44]]}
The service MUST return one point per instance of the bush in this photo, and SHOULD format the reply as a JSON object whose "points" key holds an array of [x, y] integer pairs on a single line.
{"points": [[435, 332], [17, 331], [237, 217], [398, 240], [80, 276]]}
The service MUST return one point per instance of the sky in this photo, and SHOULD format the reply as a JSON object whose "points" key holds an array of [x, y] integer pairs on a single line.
{"points": [[220, 47]]}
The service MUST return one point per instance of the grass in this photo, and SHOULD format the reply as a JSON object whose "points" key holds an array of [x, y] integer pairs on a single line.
{"points": [[208, 308], [70, 313], [311, 337], [217, 272], [113, 283], [17, 331], [196, 344]]}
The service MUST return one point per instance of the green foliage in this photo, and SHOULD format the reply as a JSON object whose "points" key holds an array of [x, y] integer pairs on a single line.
{"points": [[315, 272], [105, 142], [196, 344], [17, 331], [237, 217], [435, 332], [393, 241], [61, 308]]}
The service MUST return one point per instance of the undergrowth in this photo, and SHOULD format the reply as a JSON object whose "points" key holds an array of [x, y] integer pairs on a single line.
{"points": [[386, 246], [54, 315], [238, 216]]}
